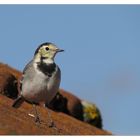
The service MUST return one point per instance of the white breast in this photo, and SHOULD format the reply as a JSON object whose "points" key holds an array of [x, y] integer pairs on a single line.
{"points": [[41, 87]]}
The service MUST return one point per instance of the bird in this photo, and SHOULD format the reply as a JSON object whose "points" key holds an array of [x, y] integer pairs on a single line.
{"points": [[92, 114], [41, 78]]}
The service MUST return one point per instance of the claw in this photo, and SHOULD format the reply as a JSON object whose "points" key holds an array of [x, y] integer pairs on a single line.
{"points": [[37, 120], [52, 125]]}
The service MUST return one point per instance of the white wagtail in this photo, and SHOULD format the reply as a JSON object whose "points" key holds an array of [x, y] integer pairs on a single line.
{"points": [[41, 77]]}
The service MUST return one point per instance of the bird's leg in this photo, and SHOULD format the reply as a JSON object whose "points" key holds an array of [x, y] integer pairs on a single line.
{"points": [[52, 124], [50, 119], [37, 119]]}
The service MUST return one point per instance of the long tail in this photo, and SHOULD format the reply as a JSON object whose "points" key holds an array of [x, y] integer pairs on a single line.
{"points": [[17, 103]]}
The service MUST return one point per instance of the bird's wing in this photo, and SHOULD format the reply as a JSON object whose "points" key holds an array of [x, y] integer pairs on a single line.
{"points": [[24, 71], [27, 66], [20, 99]]}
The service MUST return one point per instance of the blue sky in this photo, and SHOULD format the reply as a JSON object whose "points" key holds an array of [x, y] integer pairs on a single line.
{"points": [[101, 59]]}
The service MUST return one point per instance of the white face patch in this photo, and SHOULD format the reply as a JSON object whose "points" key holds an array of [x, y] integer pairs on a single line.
{"points": [[48, 61]]}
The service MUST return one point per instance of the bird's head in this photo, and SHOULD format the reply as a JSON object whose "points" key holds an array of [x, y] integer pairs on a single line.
{"points": [[47, 51]]}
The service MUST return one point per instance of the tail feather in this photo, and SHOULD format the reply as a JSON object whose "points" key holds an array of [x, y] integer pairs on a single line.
{"points": [[17, 103]]}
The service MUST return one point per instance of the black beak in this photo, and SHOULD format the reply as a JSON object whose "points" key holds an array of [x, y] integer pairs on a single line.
{"points": [[59, 50]]}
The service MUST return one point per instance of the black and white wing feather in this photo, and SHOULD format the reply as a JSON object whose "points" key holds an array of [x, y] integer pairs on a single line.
{"points": [[17, 103]]}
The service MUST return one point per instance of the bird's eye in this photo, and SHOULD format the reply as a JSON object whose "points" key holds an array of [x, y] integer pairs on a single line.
{"points": [[47, 48]]}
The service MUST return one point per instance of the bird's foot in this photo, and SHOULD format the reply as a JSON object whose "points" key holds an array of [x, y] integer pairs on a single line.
{"points": [[52, 124], [37, 120]]}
